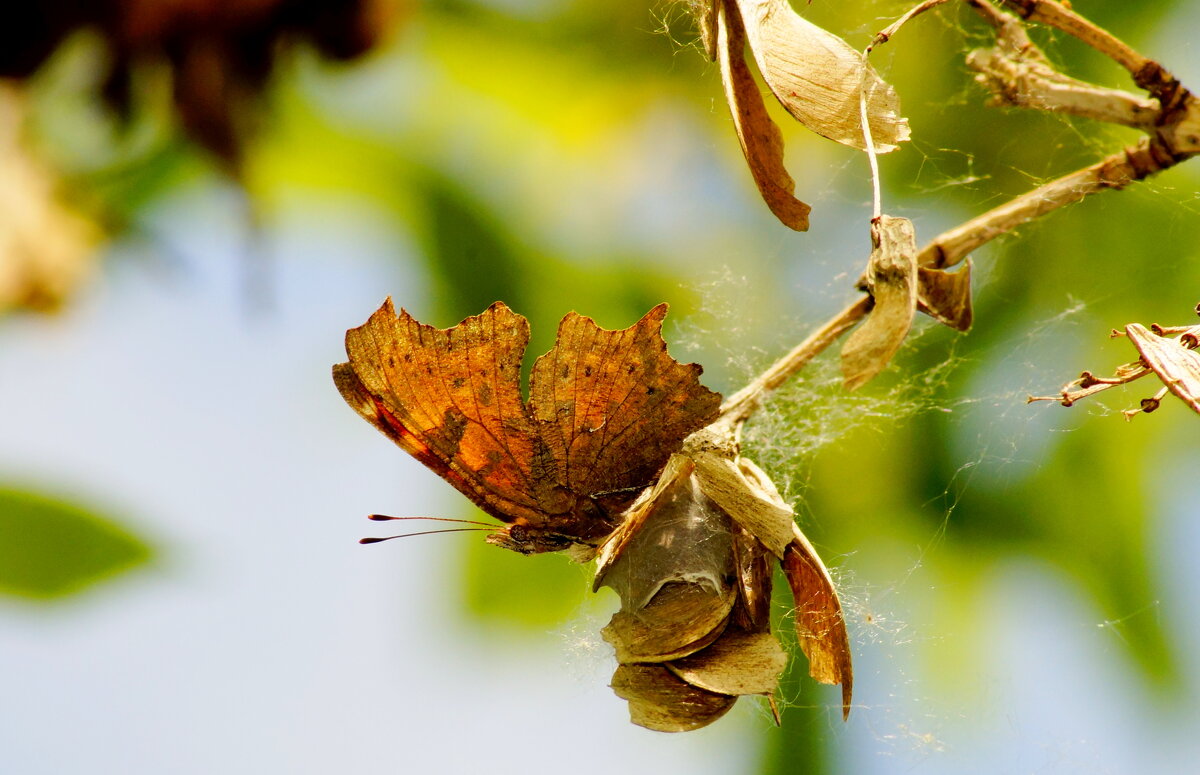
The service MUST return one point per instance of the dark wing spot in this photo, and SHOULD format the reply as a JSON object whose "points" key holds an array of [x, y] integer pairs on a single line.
{"points": [[458, 382], [587, 371]]}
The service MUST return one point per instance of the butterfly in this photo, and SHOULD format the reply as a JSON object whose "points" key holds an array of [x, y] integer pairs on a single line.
{"points": [[606, 410]]}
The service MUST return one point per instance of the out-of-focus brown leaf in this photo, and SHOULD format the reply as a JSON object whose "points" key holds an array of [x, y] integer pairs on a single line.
{"points": [[606, 410], [892, 281], [946, 296], [661, 701], [46, 249], [1175, 362], [760, 138], [683, 618], [737, 663], [820, 624], [818, 77], [220, 53]]}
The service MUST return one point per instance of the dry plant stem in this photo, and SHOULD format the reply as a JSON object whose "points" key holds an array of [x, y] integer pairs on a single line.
{"points": [[951, 247], [1114, 172], [1146, 72], [738, 407], [1058, 15], [881, 37]]}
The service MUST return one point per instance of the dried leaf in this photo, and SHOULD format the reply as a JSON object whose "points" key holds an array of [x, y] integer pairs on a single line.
{"points": [[1177, 365], [818, 77], [736, 663], [739, 491], [661, 701], [681, 619], [606, 411], [892, 281], [1168, 352], [46, 249], [946, 296], [220, 54], [675, 476], [760, 138], [820, 624], [754, 564]]}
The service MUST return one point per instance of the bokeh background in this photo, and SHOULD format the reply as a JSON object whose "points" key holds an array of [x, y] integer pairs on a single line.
{"points": [[181, 488]]}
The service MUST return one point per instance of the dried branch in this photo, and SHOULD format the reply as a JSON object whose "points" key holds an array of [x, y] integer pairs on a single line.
{"points": [[1115, 172], [738, 407], [1169, 352], [1019, 74]]}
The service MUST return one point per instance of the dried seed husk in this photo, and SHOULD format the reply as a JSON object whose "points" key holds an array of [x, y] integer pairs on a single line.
{"points": [[671, 484], [744, 498], [755, 565], [1176, 365], [736, 663], [946, 296], [681, 619], [661, 701], [818, 77], [760, 138], [820, 624], [892, 281]]}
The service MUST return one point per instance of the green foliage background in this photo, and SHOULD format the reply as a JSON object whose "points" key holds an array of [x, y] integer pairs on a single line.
{"points": [[499, 136]]}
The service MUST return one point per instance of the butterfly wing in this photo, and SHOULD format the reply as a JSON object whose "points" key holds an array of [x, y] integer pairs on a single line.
{"points": [[451, 398], [613, 406]]}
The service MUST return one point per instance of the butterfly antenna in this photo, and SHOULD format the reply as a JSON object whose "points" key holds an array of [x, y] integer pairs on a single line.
{"points": [[421, 533], [386, 518]]}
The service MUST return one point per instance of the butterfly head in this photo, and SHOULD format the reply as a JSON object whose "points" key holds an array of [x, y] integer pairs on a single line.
{"points": [[527, 540], [578, 532]]}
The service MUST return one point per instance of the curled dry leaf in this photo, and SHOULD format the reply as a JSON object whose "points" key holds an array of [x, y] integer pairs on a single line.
{"points": [[1168, 352], [739, 663], [820, 623], [714, 520], [891, 279], [946, 296], [681, 619], [759, 136], [1173, 359], [818, 77], [813, 73], [606, 410], [660, 700]]}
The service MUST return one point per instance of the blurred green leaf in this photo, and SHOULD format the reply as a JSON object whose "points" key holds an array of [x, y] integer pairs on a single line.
{"points": [[51, 548], [502, 587]]}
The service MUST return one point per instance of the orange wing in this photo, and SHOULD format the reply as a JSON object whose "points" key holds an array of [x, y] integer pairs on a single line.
{"points": [[606, 408], [451, 398], [612, 406]]}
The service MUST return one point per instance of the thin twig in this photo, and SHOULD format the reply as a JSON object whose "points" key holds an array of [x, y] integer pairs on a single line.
{"points": [[738, 407], [1173, 142], [1114, 172]]}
